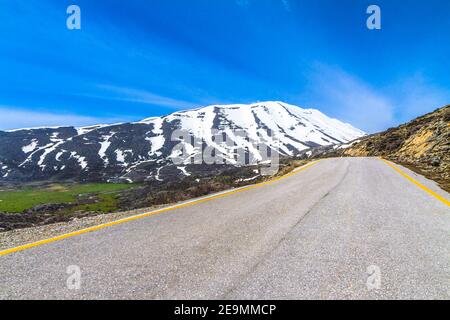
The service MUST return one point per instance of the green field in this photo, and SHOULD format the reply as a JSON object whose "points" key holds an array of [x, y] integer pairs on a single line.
{"points": [[16, 201]]}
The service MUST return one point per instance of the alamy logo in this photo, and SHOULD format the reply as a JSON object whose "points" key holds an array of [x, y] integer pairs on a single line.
{"points": [[374, 279], [74, 280], [233, 147], [374, 20], [74, 20]]}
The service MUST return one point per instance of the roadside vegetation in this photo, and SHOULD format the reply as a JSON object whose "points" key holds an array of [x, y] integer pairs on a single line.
{"points": [[47, 203], [192, 187], [22, 199]]}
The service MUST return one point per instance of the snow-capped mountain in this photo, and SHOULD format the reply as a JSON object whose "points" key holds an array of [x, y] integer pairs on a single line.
{"points": [[144, 150]]}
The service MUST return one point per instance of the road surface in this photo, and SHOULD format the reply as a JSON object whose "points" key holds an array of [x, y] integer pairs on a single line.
{"points": [[349, 228]]}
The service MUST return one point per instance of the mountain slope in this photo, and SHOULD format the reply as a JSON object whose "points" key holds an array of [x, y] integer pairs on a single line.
{"points": [[144, 150], [422, 144]]}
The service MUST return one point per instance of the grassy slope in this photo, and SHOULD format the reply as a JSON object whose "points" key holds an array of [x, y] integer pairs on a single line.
{"points": [[92, 199], [17, 201]]}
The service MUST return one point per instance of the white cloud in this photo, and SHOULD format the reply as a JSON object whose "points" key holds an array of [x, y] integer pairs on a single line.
{"points": [[14, 118], [142, 96], [417, 96], [371, 109], [350, 99]]}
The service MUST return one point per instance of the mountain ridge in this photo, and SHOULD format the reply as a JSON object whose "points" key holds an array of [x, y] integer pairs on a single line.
{"points": [[142, 150]]}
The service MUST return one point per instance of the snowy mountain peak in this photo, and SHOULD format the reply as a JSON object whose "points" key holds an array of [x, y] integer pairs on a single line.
{"points": [[144, 150]]}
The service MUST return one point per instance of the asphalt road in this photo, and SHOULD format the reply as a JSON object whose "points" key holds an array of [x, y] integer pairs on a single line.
{"points": [[341, 229]]}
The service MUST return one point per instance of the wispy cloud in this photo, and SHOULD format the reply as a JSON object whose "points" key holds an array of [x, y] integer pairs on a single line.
{"points": [[15, 118], [350, 99], [417, 95], [370, 108], [142, 96]]}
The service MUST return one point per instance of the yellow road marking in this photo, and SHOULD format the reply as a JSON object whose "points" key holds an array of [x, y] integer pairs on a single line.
{"points": [[152, 213], [417, 183]]}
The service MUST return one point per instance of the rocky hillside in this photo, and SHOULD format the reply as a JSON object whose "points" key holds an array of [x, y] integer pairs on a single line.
{"points": [[145, 150], [422, 144]]}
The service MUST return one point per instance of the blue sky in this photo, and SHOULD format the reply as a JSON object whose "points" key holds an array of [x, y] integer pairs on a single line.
{"points": [[135, 59]]}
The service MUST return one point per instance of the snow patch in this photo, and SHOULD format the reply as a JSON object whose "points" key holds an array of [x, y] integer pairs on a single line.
{"points": [[104, 145], [81, 160], [30, 148], [184, 171]]}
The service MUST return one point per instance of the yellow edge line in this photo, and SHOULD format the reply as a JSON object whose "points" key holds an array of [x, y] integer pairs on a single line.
{"points": [[417, 183], [148, 214]]}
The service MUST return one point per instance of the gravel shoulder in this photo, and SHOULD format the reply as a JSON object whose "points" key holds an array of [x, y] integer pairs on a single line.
{"points": [[14, 238]]}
